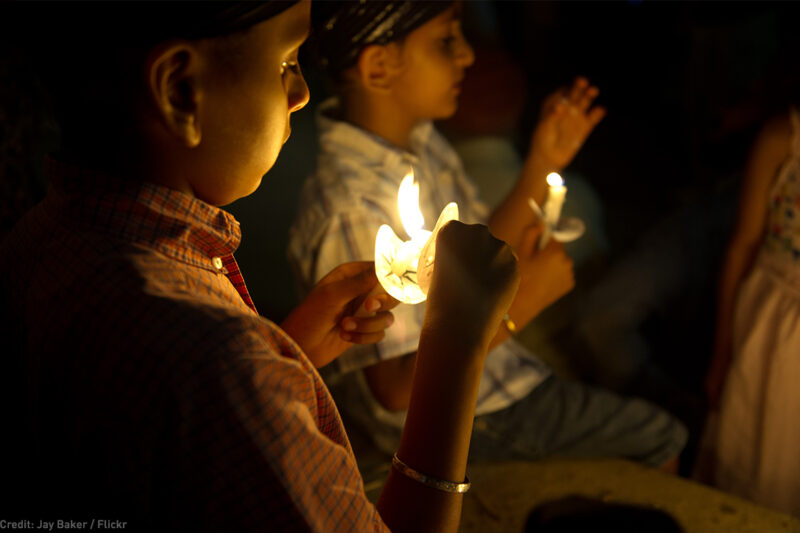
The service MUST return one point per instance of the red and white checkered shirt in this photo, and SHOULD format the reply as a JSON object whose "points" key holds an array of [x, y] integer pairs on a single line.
{"points": [[155, 393]]}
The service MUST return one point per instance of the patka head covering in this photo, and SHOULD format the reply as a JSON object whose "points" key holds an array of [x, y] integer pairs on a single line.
{"points": [[137, 24], [341, 29], [89, 53], [74, 37], [200, 20]]}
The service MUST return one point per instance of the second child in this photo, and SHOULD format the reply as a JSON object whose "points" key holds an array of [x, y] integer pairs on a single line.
{"points": [[397, 66]]}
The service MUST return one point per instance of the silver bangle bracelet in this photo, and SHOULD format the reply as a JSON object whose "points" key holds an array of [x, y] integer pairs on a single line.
{"points": [[436, 483]]}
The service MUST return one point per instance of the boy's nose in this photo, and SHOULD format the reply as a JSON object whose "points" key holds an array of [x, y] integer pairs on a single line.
{"points": [[298, 93], [466, 55]]}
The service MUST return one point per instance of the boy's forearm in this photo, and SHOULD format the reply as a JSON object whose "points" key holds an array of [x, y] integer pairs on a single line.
{"points": [[509, 219], [391, 381], [437, 432]]}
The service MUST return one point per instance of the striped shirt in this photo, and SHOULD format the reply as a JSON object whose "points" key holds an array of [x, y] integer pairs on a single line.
{"points": [[353, 192], [153, 380]]}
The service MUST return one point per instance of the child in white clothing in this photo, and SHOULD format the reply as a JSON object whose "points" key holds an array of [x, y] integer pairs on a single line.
{"points": [[752, 381]]}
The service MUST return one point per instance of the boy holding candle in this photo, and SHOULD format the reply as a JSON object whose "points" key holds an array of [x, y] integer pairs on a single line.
{"points": [[148, 388], [397, 66]]}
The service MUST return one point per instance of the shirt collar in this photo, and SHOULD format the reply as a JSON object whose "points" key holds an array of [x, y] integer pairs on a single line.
{"points": [[345, 139], [176, 224]]}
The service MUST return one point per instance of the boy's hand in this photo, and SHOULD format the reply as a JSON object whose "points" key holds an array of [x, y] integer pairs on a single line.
{"points": [[474, 281], [565, 123], [546, 276], [323, 324]]}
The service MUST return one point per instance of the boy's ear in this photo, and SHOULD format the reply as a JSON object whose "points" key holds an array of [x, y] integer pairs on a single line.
{"points": [[173, 89], [377, 66]]}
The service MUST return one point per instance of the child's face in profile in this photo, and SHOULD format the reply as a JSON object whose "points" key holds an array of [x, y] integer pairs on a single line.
{"points": [[434, 58], [247, 113]]}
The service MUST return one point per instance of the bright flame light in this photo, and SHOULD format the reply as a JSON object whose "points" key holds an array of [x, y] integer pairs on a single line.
{"points": [[397, 263], [554, 179], [408, 205]]}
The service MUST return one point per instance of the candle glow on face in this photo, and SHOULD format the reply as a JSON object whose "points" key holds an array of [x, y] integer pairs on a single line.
{"points": [[397, 261]]}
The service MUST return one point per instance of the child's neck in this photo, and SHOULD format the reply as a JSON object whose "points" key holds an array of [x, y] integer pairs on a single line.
{"points": [[379, 116]]}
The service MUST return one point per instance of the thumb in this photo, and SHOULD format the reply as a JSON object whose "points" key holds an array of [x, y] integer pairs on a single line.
{"points": [[354, 286], [530, 237], [554, 101]]}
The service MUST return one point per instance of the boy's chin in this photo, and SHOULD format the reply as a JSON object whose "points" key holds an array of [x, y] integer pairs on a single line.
{"points": [[446, 111]]}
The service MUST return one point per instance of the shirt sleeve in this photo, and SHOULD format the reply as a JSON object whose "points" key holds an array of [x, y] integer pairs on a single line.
{"points": [[264, 447]]}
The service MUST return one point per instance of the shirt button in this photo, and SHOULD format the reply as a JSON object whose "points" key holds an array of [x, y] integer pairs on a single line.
{"points": [[217, 262]]}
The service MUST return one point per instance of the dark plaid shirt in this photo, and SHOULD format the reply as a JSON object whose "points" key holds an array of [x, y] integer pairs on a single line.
{"points": [[152, 391]]}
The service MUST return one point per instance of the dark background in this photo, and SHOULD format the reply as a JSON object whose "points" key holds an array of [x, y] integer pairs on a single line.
{"points": [[686, 85]]}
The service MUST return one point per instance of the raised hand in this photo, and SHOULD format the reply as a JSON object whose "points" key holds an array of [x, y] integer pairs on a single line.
{"points": [[474, 281], [567, 119], [323, 324], [545, 276]]}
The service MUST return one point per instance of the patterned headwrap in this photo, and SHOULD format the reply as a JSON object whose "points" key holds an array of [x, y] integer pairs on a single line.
{"points": [[341, 29]]}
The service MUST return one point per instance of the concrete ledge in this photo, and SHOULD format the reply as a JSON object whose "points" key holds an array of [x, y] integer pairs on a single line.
{"points": [[503, 494]]}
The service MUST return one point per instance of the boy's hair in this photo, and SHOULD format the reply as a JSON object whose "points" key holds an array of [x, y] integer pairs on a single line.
{"points": [[91, 53], [342, 28]]}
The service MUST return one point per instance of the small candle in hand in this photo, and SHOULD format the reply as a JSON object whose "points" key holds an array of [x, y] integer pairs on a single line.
{"points": [[556, 194]]}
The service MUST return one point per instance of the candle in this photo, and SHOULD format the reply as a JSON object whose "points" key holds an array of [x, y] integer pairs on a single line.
{"points": [[562, 230], [398, 266], [556, 194]]}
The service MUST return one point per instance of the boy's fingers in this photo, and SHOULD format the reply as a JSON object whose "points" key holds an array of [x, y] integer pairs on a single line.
{"points": [[362, 338], [346, 270], [555, 102], [596, 115], [587, 99], [530, 237], [358, 285], [372, 324], [578, 88], [385, 302], [553, 246]]}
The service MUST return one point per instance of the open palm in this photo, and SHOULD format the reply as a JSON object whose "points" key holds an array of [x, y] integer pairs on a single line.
{"points": [[566, 121]]}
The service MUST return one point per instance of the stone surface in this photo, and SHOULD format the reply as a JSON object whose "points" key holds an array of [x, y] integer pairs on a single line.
{"points": [[503, 494]]}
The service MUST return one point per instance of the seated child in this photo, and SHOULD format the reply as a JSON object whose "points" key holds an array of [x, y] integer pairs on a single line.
{"points": [[143, 387], [396, 66]]}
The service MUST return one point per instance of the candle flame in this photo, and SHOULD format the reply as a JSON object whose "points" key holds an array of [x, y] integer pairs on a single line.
{"points": [[408, 205], [405, 269], [554, 179]]}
